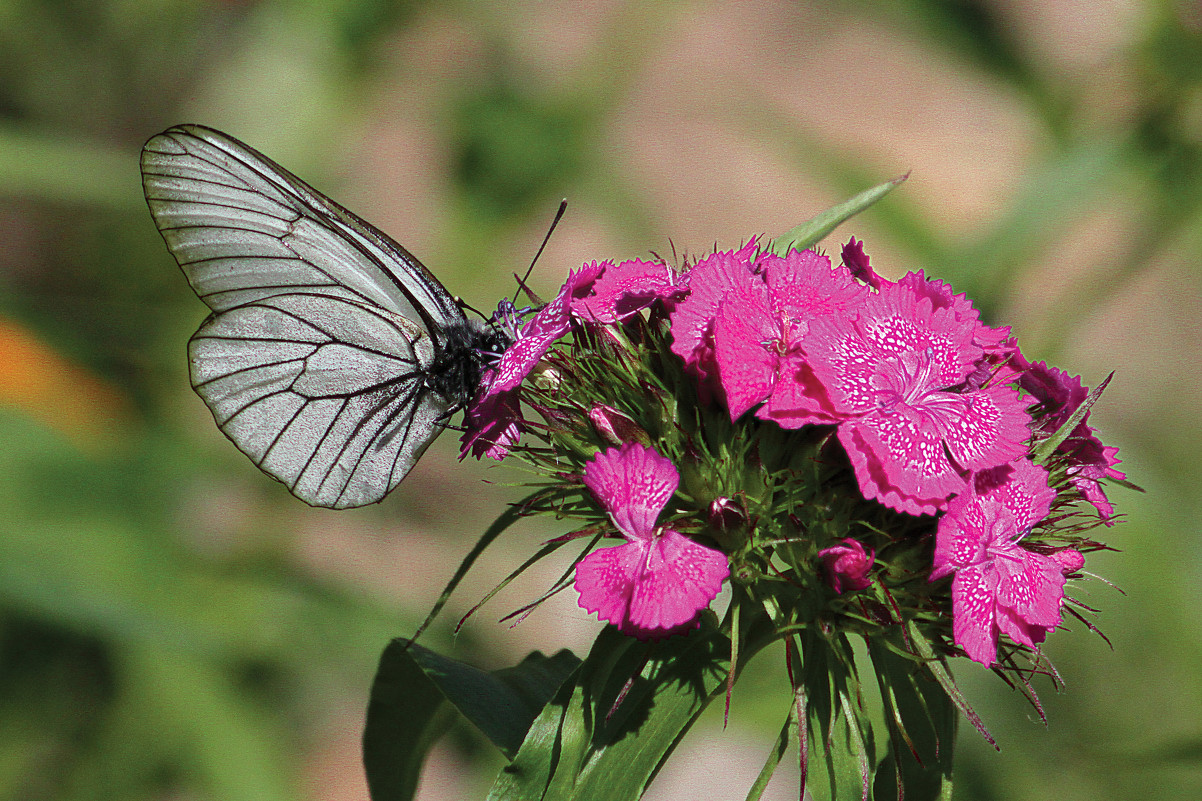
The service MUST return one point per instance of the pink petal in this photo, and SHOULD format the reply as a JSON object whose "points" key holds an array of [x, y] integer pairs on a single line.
{"points": [[986, 428], [743, 332], [710, 280], [804, 286], [899, 459], [547, 325], [633, 483], [651, 588], [626, 288], [973, 624], [681, 577], [606, 579], [798, 398], [1030, 585]]}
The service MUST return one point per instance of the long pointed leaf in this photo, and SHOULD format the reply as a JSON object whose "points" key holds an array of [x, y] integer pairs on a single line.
{"points": [[810, 232]]}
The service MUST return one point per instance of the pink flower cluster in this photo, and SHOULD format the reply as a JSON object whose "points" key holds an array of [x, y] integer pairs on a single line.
{"points": [[801, 343], [924, 398]]}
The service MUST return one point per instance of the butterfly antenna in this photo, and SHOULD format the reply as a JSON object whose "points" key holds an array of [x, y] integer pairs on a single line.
{"points": [[563, 206], [463, 304]]}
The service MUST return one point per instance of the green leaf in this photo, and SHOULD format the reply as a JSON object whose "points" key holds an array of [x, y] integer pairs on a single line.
{"points": [[607, 733], [812, 231], [408, 709], [838, 765]]}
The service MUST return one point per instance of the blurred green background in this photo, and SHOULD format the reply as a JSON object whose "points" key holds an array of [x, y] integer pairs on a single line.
{"points": [[174, 625]]}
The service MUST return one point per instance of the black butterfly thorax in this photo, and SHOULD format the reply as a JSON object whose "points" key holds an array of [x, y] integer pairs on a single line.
{"points": [[468, 349]]}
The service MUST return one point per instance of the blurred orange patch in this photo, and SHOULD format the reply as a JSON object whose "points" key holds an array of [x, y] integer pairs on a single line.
{"points": [[57, 392]]}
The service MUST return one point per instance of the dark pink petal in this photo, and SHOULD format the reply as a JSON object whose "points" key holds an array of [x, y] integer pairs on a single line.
{"points": [[962, 537], [624, 289], [857, 262], [493, 424], [633, 483], [1059, 395]]}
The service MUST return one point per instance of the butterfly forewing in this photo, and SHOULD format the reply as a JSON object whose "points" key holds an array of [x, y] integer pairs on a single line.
{"points": [[242, 228], [324, 332]]}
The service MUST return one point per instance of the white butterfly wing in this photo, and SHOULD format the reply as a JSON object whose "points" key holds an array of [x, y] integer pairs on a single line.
{"points": [[314, 362], [324, 394], [243, 228]]}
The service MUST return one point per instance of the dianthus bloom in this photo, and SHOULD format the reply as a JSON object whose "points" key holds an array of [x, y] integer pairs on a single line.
{"points": [[1060, 394], [893, 375], [657, 583], [1000, 587], [494, 421], [759, 327]]}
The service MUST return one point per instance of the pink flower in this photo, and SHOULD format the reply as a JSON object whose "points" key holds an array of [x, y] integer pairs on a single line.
{"points": [[847, 565], [999, 587], [758, 330], [626, 288], [538, 334], [657, 583], [710, 281], [893, 376], [1059, 395], [494, 422]]}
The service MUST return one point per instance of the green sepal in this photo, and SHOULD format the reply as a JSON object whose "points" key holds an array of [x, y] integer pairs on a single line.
{"points": [[812, 231], [412, 696]]}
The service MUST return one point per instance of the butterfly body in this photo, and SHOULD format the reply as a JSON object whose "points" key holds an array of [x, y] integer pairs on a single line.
{"points": [[332, 357]]}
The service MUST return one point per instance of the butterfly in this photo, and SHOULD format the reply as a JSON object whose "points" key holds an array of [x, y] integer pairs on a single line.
{"points": [[332, 357]]}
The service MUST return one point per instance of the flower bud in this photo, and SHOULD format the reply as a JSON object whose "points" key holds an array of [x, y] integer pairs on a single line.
{"points": [[615, 427], [1070, 560], [847, 565]]}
